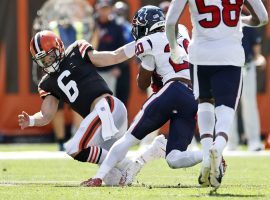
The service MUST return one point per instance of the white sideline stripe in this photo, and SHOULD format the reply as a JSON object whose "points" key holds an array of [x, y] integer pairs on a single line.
{"points": [[41, 155]]}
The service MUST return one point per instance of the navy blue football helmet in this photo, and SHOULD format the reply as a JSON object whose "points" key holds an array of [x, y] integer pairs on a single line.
{"points": [[146, 21]]}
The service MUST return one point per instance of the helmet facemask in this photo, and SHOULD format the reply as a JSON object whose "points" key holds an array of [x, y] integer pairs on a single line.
{"points": [[49, 61]]}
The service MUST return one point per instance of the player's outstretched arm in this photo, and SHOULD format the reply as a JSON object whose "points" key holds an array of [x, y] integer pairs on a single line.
{"points": [[258, 17], [174, 12], [107, 58], [43, 117]]}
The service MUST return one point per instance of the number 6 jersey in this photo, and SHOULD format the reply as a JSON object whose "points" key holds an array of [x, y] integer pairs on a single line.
{"points": [[77, 81]]}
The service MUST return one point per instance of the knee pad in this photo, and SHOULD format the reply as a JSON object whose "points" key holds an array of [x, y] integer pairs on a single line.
{"points": [[206, 118], [171, 158], [225, 117], [83, 155]]}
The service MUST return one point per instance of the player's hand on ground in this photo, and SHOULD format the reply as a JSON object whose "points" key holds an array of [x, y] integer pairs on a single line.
{"points": [[23, 120]]}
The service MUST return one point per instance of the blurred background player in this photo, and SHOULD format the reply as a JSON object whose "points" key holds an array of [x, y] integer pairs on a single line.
{"points": [[110, 36], [216, 55], [249, 108]]}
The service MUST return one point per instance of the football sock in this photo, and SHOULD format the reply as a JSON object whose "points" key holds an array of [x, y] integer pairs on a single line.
{"points": [[92, 154], [116, 154], [206, 123], [152, 152], [220, 144]]}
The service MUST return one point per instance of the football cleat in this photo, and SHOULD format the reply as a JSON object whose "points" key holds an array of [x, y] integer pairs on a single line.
{"points": [[204, 179], [218, 168], [92, 182], [158, 147], [130, 173]]}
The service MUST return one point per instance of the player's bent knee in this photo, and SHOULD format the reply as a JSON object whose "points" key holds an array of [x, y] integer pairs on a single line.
{"points": [[173, 159], [83, 155]]}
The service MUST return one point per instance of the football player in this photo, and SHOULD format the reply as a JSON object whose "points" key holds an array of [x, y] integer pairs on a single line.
{"points": [[71, 75], [173, 100], [216, 56]]}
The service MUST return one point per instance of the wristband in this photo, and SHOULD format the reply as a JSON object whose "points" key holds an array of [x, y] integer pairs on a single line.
{"points": [[31, 121], [129, 49]]}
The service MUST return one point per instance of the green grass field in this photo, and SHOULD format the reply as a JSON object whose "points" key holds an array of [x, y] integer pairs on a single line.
{"points": [[246, 178]]}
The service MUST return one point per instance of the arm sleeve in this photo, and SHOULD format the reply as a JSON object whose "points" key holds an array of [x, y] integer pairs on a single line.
{"points": [[260, 11], [175, 10]]}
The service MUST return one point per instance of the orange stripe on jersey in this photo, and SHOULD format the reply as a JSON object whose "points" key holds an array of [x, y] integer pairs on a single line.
{"points": [[89, 133], [82, 51], [111, 102], [44, 93], [92, 133]]}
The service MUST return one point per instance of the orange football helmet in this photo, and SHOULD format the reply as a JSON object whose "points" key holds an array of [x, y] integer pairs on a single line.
{"points": [[47, 50]]}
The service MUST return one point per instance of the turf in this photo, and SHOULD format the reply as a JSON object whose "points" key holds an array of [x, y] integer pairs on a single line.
{"points": [[246, 178], [28, 147]]}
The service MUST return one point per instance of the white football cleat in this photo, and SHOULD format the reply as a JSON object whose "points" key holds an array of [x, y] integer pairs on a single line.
{"points": [[158, 147], [205, 173], [129, 174], [218, 167], [113, 177]]}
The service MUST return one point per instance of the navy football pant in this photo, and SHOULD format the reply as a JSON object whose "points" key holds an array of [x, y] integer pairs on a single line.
{"points": [[174, 102]]}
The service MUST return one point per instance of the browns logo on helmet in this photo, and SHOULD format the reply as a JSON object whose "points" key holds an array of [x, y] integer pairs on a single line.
{"points": [[47, 50]]}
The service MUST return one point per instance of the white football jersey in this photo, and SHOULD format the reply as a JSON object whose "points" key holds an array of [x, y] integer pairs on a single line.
{"points": [[217, 32], [155, 48]]}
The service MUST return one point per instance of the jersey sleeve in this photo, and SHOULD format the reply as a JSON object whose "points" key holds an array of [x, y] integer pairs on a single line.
{"points": [[43, 93], [84, 47], [43, 88], [148, 62], [143, 47]]}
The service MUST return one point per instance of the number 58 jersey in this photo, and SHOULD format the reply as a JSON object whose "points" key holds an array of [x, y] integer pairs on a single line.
{"points": [[154, 52], [77, 81], [217, 32]]}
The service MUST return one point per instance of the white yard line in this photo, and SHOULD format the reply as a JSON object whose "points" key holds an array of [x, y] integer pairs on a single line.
{"points": [[49, 182], [35, 155]]}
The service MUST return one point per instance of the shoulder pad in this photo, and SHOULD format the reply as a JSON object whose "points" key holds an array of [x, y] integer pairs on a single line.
{"points": [[83, 46], [143, 47]]}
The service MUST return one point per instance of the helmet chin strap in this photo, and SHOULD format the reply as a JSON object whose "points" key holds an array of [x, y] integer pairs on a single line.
{"points": [[146, 31], [53, 68]]}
